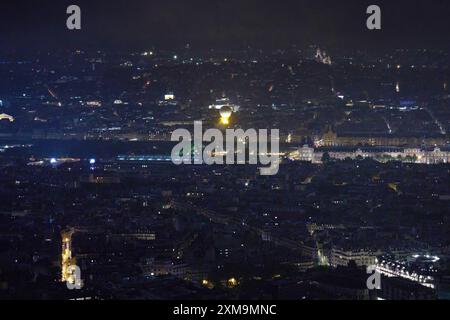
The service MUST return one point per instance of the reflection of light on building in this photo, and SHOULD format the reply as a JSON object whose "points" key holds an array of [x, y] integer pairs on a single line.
{"points": [[397, 87]]}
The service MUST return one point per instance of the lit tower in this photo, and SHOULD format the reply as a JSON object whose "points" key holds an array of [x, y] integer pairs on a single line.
{"points": [[66, 256]]}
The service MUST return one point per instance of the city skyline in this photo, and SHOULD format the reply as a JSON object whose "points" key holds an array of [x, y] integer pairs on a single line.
{"points": [[224, 152]]}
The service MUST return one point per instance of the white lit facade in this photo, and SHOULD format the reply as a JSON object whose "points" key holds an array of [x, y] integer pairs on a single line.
{"points": [[407, 155]]}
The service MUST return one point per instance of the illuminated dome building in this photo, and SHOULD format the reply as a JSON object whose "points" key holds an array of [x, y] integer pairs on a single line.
{"points": [[225, 115], [224, 102], [421, 269]]}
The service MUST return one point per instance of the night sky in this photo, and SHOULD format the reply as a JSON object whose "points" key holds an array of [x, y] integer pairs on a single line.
{"points": [[224, 24]]}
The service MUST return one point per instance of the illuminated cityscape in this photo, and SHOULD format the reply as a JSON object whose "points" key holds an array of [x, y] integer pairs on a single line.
{"points": [[94, 207]]}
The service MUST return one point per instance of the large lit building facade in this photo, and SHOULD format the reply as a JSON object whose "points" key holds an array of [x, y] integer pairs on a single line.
{"points": [[342, 257], [333, 139], [386, 154]]}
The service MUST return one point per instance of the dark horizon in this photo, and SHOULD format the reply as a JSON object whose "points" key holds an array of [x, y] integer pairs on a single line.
{"points": [[137, 24]]}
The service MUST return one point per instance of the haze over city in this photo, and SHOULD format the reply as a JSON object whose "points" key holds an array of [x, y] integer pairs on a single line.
{"points": [[135, 151]]}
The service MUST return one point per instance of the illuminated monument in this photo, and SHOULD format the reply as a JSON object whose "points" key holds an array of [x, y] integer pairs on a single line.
{"points": [[225, 115], [322, 57], [68, 263], [224, 102]]}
